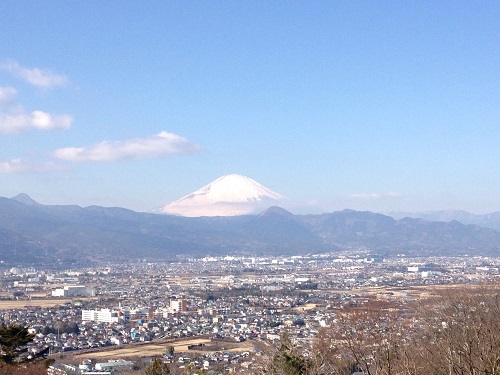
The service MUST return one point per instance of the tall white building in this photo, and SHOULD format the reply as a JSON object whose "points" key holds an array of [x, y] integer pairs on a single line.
{"points": [[178, 305]]}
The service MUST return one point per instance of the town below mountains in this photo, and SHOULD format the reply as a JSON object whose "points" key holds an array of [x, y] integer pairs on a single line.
{"points": [[33, 233]]}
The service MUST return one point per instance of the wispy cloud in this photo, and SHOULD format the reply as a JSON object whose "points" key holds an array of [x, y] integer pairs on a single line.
{"points": [[41, 78], [14, 119], [7, 95], [16, 122], [162, 144], [20, 166], [374, 196]]}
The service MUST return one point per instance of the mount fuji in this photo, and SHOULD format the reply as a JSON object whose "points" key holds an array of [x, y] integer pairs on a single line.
{"points": [[229, 195]]}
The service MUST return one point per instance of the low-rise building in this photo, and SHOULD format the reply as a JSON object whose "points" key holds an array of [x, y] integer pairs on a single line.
{"points": [[74, 291]]}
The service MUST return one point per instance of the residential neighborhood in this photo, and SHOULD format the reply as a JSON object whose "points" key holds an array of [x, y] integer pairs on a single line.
{"points": [[216, 312]]}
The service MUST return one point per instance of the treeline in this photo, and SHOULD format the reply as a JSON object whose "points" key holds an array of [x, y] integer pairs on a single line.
{"points": [[454, 333], [60, 327]]}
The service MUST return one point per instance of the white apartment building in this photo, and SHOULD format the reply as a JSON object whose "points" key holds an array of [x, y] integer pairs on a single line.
{"points": [[100, 316], [178, 305]]}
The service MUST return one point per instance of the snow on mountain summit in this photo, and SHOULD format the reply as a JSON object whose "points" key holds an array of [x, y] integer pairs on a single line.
{"points": [[235, 188], [229, 195]]}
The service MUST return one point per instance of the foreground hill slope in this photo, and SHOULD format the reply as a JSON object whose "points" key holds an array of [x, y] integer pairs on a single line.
{"points": [[43, 234]]}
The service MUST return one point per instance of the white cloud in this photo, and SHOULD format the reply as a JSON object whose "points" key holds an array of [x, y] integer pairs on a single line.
{"points": [[375, 196], [162, 144], [13, 118], [7, 95], [19, 121], [21, 166], [44, 120], [41, 78]]}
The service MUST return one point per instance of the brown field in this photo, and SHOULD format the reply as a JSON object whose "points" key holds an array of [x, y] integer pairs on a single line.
{"points": [[48, 302], [4, 305], [307, 306], [156, 349]]}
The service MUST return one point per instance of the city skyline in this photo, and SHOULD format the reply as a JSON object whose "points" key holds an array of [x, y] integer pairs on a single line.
{"points": [[369, 106]]}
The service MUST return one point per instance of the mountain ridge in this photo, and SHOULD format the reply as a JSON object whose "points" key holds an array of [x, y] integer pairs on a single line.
{"points": [[25, 199], [62, 235], [489, 220]]}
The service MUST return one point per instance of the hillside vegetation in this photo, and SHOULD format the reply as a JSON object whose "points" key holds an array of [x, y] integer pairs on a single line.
{"points": [[456, 333]]}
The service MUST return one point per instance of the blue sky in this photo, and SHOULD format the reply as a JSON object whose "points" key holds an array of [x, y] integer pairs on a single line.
{"points": [[382, 106]]}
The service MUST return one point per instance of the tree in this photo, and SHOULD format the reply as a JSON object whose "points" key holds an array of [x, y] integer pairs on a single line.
{"points": [[455, 333], [31, 369], [287, 360], [13, 340], [462, 333], [190, 369], [367, 339], [170, 350], [157, 367]]}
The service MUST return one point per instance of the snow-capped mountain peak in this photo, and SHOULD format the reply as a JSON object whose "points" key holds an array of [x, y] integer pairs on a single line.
{"points": [[229, 195], [234, 188]]}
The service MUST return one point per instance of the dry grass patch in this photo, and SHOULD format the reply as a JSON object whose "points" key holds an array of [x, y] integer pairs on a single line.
{"points": [[306, 307], [160, 348], [20, 304]]}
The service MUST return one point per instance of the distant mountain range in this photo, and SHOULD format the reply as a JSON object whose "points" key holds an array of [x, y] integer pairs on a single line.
{"points": [[491, 220], [32, 233]]}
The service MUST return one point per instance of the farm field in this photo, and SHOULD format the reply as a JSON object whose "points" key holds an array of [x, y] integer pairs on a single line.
{"points": [[159, 348], [29, 303]]}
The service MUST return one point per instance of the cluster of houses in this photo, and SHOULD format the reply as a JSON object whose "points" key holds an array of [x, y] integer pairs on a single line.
{"points": [[227, 299]]}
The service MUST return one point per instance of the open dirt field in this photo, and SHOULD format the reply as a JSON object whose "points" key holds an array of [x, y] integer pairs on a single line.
{"points": [[307, 306], [159, 348], [4, 305]]}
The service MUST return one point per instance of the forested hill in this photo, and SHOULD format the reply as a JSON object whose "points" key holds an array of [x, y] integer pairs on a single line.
{"points": [[34, 233]]}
